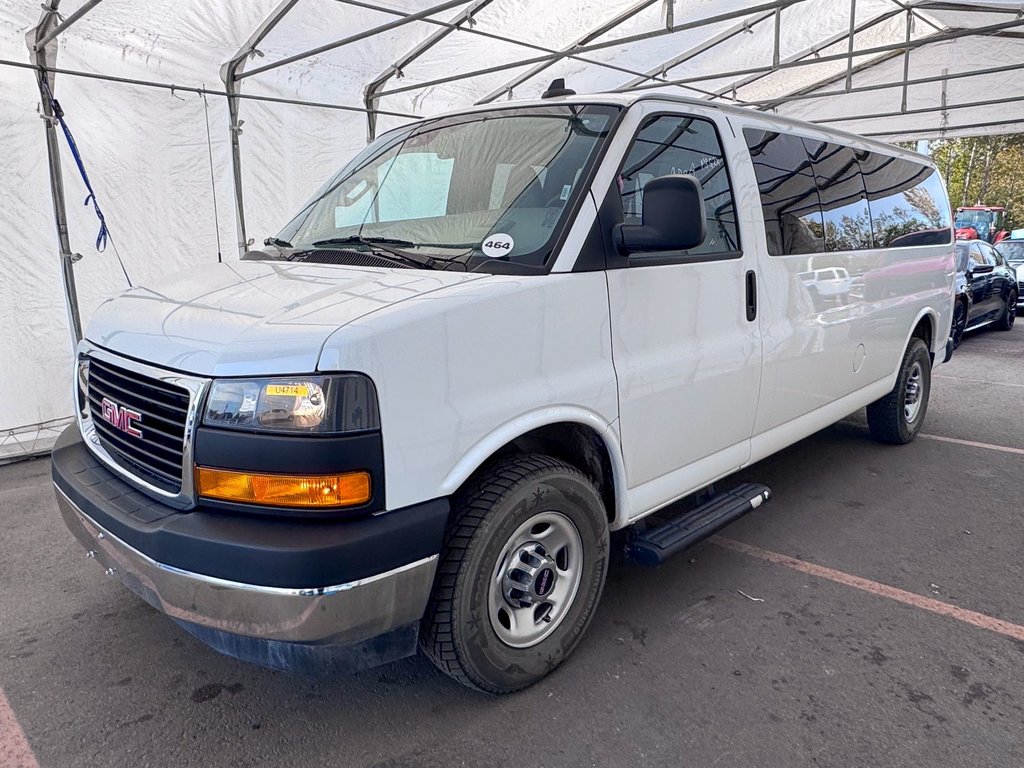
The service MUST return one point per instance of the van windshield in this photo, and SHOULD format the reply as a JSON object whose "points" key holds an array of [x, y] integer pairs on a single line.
{"points": [[487, 191]]}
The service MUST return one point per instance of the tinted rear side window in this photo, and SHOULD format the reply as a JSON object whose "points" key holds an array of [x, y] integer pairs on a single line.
{"points": [[789, 195], [907, 201], [844, 205]]}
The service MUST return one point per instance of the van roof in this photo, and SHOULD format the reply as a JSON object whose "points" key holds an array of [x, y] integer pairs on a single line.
{"points": [[628, 99]]}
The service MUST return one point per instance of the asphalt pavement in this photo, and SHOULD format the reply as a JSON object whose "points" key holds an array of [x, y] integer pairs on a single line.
{"points": [[718, 658]]}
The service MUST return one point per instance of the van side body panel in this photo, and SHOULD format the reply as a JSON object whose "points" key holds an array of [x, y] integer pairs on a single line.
{"points": [[822, 349]]}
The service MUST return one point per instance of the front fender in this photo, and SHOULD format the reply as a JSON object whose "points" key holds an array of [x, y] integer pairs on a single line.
{"points": [[494, 441]]}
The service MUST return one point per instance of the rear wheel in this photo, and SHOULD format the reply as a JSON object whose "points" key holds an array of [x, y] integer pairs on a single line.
{"points": [[1005, 321], [898, 417], [520, 575]]}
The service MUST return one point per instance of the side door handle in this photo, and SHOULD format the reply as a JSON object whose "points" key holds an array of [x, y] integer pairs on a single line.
{"points": [[751, 295]]}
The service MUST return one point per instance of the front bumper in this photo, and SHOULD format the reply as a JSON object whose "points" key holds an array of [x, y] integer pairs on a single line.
{"points": [[340, 614], [264, 589]]}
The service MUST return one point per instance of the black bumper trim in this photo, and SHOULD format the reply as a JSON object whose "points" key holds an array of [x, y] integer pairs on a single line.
{"points": [[264, 551]]}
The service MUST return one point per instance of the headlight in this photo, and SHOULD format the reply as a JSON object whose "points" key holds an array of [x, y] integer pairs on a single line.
{"points": [[298, 404]]}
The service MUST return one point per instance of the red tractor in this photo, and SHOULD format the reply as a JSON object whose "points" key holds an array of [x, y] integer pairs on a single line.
{"points": [[981, 222]]}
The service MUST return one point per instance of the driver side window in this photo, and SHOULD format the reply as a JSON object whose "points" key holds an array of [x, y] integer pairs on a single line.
{"points": [[675, 144]]}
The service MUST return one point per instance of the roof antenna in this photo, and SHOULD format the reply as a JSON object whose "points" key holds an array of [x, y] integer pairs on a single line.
{"points": [[556, 89]]}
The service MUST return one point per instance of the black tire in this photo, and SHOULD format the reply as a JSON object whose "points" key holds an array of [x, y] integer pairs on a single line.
{"points": [[959, 322], [887, 418], [1005, 322], [457, 632]]}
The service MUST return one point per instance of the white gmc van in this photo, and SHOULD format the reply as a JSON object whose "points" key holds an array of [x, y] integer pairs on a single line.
{"points": [[490, 340]]}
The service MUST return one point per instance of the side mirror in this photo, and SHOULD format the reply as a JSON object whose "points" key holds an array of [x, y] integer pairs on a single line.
{"points": [[673, 217], [980, 269]]}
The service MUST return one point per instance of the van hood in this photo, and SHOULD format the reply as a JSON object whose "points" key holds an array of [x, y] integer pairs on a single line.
{"points": [[252, 317]]}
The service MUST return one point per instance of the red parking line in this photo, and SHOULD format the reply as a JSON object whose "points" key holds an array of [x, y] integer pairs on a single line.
{"points": [[14, 749], [1016, 631], [973, 444]]}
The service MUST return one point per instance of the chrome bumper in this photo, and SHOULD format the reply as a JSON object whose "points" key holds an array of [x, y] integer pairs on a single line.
{"points": [[339, 615]]}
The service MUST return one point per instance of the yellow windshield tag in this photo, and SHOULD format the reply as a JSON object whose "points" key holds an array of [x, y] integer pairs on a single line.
{"points": [[288, 390]]}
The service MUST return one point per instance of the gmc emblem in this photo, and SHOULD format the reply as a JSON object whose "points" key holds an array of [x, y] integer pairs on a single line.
{"points": [[120, 417]]}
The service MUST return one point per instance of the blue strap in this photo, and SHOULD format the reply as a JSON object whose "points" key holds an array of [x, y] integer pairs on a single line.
{"points": [[102, 235]]}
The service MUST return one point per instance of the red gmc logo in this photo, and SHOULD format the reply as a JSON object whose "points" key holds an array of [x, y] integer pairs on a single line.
{"points": [[120, 417]]}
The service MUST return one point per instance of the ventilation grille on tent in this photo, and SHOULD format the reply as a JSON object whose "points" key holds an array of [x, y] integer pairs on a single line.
{"points": [[351, 258]]}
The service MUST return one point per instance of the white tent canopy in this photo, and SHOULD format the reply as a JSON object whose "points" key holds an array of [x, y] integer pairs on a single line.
{"points": [[316, 76]]}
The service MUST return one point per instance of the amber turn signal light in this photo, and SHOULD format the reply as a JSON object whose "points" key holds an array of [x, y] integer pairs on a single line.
{"points": [[343, 490]]}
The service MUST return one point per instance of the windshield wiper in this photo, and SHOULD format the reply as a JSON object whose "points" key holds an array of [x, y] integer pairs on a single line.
{"points": [[277, 242], [358, 240], [380, 247]]}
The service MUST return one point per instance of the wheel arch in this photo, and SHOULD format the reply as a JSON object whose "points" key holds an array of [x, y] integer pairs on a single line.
{"points": [[575, 435], [925, 327]]}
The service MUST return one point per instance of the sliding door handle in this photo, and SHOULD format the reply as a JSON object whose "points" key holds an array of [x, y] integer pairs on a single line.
{"points": [[751, 295]]}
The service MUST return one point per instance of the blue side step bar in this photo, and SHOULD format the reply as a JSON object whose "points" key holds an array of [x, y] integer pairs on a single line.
{"points": [[655, 545]]}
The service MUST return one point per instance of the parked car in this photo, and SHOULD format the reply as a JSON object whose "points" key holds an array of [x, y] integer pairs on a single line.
{"points": [[489, 341], [829, 284], [1012, 251], [986, 289]]}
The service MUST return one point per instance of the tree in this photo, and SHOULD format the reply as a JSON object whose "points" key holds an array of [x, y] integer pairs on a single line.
{"points": [[987, 170]]}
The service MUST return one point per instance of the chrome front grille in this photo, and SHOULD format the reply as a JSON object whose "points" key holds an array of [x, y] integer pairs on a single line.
{"points": [[156, 452], [140, 421]]}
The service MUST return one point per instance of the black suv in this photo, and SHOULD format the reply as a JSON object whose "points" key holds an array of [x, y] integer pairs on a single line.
{"points": [[986, 289]]}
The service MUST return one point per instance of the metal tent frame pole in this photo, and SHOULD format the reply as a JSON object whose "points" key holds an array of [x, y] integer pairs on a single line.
{"points": [[744, 26], [375, 85], [812, 92], [878, 49], [406, 19], [588, 37], [43, 51], [603, 45], [230, 74], [458, 24], [924, 110], [814, 50]]}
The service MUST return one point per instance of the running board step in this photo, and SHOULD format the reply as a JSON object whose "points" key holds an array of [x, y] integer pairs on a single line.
{"points": [[656, 545]]}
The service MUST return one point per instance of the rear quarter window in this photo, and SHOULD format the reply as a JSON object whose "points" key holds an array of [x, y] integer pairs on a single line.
{"points": [[908, 204]]}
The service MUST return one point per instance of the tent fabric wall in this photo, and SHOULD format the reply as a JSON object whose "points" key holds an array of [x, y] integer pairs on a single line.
{"points": [[148, 152]]}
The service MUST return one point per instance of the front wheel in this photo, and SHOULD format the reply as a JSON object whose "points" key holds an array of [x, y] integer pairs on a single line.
{"points": [[522, 569], [898, 417], [1005, 322], [959, 322]]}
